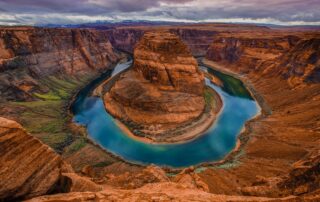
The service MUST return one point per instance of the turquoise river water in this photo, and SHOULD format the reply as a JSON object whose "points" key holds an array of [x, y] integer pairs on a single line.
{"points": [[219, 140]]}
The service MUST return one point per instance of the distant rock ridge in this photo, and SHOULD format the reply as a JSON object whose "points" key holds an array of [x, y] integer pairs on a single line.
{"points": [[293, 58]]}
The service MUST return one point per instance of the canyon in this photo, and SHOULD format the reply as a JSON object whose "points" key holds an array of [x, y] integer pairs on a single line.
{"points": [[42, 69]]}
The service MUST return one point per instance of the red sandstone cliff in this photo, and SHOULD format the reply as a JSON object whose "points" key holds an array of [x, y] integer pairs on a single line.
{"points": [[166, 62], [281, 69], [28, 168], [30, 54], [294, 58]]}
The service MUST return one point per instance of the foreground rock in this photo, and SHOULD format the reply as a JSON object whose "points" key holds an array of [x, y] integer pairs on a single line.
{"points": [[153, 192], [162, 92], [29, 168]]}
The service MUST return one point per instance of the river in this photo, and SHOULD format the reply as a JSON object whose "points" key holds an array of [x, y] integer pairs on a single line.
{"points": [[218, 141]]}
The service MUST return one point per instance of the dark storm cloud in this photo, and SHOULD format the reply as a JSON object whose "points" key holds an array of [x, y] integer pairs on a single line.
{"points": [[195, 10], [89, 7], [282, 10]]}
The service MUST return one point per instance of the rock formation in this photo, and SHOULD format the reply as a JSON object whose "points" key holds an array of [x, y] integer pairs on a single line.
{"points": [[27, 167], [293, 57], [164, 60], [163, 90], [30, 54]]}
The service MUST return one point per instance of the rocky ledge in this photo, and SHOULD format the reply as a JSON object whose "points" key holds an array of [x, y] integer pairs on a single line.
{"points": [[162, 97]]}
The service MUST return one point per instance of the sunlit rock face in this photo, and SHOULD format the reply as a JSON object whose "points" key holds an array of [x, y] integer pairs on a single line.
{"points": [[163, 89], [28, 168], [293, 58], [163, 59]]}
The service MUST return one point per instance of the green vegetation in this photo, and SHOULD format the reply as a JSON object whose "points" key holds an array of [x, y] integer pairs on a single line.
{"points": [[47, 118], [231, 85], [235, 162], [209, 97], [60, 88], [76, 145], [48, 96], [102, 164], [42, 116]]}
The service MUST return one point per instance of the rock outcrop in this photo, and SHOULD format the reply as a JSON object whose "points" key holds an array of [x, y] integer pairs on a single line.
{"points": [[28, 168], [163, 90], [164, 60], [28, 55]]}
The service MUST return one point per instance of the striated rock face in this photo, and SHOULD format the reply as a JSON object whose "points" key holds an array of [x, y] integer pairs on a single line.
{"points": [[28, 168], [164, 60], [278, 66], [30, 54], [124, 38], [198, 40], [292, 57], [164, 88], [302, 62], [197, 37]]}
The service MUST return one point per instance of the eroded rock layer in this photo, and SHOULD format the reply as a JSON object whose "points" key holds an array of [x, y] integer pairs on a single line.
{"points": [[28, 168], [292, 57], [279, 67], [28, 55], [164, 88], [164, 60]]}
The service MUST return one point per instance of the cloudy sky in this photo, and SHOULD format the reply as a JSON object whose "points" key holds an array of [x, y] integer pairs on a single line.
{"points": [[284, 12]]}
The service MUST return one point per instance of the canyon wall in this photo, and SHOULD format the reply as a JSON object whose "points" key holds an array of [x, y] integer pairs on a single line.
{"points": [[198, 37], [28, 55], [292, 57], [281, 69], [124, 39], [197, 40]]}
